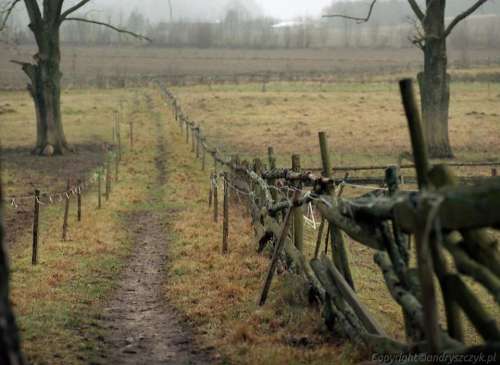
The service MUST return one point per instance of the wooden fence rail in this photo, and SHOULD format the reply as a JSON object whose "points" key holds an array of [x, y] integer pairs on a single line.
{"points": [[443, 216]]}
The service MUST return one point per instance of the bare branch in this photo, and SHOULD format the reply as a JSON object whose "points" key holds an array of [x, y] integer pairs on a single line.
{"points": [[8, 12], [416, 9], [107, 25], [357, 19], [73, 9], [463, 15]]}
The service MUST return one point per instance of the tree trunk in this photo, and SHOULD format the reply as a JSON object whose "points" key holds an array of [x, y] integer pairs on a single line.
{"points": [[45, 89], [10, 350], [435, 82]]}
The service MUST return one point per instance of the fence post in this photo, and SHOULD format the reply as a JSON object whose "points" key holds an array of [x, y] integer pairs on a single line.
{"points": [[66, 212], [193, 139], [225, 227], [108, 176], [203, 155], [494, 172], [198, 142], [325, 156], [36, 220], [298, 217], [216, 201], [424, 258], [272, 166], [187, 132], [79, 201], [119, 136], [339, 250], [211, 192], [99, 188], [117, 167], [214, 155]]}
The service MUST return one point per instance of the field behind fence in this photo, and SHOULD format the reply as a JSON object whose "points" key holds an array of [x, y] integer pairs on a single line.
{"points": [[447, 225]]}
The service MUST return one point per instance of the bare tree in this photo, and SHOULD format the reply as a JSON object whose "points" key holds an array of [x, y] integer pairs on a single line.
{"points": [[434, 81], [45, 74], [10, 349]]}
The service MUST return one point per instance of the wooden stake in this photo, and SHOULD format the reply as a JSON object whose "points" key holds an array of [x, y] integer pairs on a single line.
{"points": [[277, 251], [198, 142], [99, 188], [36, 221], [66, 212], [424, 259], [211, 192], [216, 202], [298, 216], [193, 139], [108, 177], [325, 156], [79, 201], [272, 166], [187, 133], [493, 172], [225, 228], [416, 132], [339, 249], [203, 156], [117, 167]]}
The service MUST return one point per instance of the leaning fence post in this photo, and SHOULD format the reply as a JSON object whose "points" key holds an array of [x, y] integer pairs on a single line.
{"points": [[298, 217], [66, 212], [225, 227], [277, 252], [79, 201], [36, 220]]}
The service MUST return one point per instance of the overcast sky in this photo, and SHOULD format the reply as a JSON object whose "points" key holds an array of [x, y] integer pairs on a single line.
{"points": [[293, 8]]}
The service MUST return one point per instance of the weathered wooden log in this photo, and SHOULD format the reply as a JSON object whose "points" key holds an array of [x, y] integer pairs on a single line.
{"points": [[304, 267], [351, 298], [348, 320], [359, 231], [484, 324], [467, 266]]}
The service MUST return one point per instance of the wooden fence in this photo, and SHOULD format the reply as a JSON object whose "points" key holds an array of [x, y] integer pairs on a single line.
{"points": [[442, 218]]}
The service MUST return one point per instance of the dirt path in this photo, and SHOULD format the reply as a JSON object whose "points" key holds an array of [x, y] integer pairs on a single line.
{"points": [[143, 328]]}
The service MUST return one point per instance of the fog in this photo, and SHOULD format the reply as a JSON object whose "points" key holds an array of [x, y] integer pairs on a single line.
{"points": [[158, 10]]}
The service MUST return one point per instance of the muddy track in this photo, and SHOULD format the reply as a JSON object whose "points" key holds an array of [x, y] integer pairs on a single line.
{"points": [[143, 328]]}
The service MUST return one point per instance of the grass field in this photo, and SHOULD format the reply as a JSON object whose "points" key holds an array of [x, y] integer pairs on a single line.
{"points": [[59, 303], [103, 66], [365, 124]]}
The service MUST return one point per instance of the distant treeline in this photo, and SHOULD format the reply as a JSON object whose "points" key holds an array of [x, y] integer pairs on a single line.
{"points": [[391, 25]]}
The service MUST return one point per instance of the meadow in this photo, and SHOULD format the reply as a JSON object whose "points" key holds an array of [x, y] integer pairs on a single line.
{"points": [[60, 303]]}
